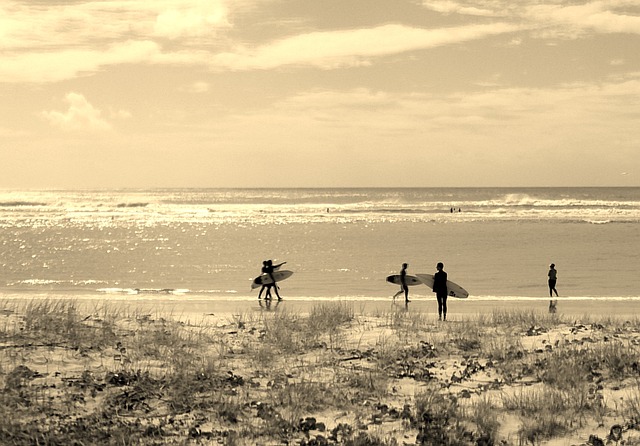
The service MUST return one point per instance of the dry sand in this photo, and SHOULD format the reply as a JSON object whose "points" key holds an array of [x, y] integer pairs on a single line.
{"points": [[296, 372]]}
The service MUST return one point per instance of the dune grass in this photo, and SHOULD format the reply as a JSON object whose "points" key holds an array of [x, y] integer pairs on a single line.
{"points": [[332, 376]]}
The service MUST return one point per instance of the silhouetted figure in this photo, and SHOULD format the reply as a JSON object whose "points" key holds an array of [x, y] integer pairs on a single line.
{"points": [[553, 278], [263, 270], [440, 288], [270, 268], [403, 284]]}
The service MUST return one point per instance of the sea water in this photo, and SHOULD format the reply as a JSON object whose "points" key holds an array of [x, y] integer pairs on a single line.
{"points": [[208, 244]]}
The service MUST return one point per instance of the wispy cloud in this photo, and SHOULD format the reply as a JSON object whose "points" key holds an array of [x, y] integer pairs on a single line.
{"points": [[569, 112], [93, 22], [552, 18], [196, 87], [68, 63], [615, 16], [331, 49], [80, 115], [49, 42]]}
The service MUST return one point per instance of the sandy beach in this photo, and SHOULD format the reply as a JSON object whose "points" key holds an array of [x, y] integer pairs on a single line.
{"points": [[311, 373], [195, 308]]}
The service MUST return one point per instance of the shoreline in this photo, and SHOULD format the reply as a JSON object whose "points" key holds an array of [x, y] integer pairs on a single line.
{"points": [[198, 308]]}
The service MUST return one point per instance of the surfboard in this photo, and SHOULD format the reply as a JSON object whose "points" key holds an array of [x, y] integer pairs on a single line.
{"points": [[409, 280], [264, 279], [453, 288]]}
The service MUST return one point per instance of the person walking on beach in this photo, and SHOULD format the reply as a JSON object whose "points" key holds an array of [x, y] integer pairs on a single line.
{"points": [[264, 287], [440, 288], [403, 284], [270, 268], [553, 277]]}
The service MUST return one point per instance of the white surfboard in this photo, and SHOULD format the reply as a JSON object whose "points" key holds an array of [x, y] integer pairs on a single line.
{"points": [[264, 279], [453, 288], [409, 280]]}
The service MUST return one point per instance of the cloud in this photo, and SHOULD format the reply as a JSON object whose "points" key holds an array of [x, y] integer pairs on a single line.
{"points": [[452, 7], [331, 49], [535, 117], [552, 18], [58, 40], [190, 19], [604, 17], [58, 24], [80, 115], [197, 87], [70, 63], [54, 41]]}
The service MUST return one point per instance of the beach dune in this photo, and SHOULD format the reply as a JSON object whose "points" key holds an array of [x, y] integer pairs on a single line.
{"points": [[301, 372]]}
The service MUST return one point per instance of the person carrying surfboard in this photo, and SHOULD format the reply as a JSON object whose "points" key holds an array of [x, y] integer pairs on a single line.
{"points": [[269, 269], [263, 270], [403, 284], [440, 288]]}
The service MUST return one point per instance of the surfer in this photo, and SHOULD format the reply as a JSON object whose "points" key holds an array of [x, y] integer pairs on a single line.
{"points": [[440, 288], [403, 284], [270, 268], [263, 270], [553, 278]]}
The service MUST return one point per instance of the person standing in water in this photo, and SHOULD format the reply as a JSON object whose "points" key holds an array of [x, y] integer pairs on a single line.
{"points": [[403, 284], [440, 288], [553, 278]]}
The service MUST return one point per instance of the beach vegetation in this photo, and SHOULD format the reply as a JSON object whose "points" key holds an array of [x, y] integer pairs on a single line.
{"points": [[329, 376]]}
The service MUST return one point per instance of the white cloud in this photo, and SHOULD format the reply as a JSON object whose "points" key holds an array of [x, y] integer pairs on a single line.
{"points": [[589, 113], [452, 7], [80, 115], [69, 63], [598, 16], [25, 25], [552, 18], [190, 19], [332, 49], [196, 87], [54, 41]]}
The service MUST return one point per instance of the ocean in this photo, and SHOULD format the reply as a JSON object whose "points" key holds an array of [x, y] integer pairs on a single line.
{"points": [[208, 244]]}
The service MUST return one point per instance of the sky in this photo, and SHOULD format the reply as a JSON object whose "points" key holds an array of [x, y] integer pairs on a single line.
{"points": [[330, 93]]}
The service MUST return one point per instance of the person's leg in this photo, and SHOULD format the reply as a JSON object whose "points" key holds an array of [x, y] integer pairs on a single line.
{"points": [[439, 307], [275, 286], [444, 308], [406, 293]]}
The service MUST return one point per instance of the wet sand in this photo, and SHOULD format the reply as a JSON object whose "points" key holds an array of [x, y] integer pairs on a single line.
{"points": [[197, 309]]}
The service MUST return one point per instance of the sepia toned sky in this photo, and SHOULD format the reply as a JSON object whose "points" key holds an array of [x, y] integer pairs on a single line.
{"points": [[272, 93]]}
